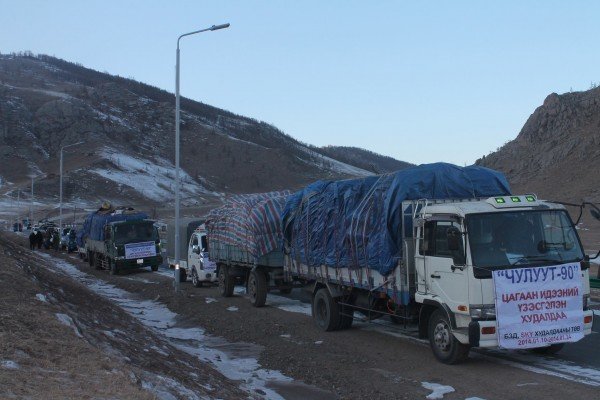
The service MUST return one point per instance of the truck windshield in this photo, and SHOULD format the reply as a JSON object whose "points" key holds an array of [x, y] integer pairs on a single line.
{"points": [[129, 233], [521, 238]]}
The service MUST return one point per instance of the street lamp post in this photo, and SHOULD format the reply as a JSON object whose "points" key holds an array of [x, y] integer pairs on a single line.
{"points": [[61, 182], [177, 273]]}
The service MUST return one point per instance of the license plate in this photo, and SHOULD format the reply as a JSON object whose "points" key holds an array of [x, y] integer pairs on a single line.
{"points": [[140, 261]]}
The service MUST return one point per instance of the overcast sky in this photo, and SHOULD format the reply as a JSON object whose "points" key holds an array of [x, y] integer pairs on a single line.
{"points": [[420, 81]]}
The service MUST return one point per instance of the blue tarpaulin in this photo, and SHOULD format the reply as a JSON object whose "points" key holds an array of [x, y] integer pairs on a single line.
{"points": [[357, 223], [93, 226]]}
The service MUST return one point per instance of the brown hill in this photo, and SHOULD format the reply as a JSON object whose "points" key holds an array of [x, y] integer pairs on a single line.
{"points": [[128, 129], [557, 153]]}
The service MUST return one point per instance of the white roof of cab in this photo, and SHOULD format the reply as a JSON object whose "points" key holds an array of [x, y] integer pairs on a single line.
{"points": [[462, 208]]}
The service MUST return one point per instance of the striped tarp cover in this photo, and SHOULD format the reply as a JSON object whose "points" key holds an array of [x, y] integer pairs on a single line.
{"points": [[251, 222]]}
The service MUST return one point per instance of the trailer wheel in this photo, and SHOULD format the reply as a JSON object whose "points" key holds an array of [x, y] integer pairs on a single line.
{"points": [[225, 281], [552, 349], [325, 310], [446, 348], [346, 317], [257, 288], [195, 281]]}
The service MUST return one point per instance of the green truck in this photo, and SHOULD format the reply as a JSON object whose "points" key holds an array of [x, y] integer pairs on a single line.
{"points": [[119, 240]]}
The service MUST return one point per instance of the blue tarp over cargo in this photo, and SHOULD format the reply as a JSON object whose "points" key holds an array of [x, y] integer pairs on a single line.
{"points": [[357, 223], [249, 221], [93, 226]]}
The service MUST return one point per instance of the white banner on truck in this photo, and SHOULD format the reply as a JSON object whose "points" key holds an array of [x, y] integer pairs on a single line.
{"points": [[539, 306], [140, 250]]}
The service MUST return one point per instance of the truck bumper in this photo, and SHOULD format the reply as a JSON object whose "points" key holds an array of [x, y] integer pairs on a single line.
{"points": [[484, 333], [134, 263], [207, 275]]}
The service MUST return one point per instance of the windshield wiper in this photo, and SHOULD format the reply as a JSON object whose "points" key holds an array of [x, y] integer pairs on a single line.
{"points": [[539, 258]]}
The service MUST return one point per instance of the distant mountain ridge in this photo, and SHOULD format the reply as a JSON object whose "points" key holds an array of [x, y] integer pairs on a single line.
{"points": [[365, 159], [128, 129]]}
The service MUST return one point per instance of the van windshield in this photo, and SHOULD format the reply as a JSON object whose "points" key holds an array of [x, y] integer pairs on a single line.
{"points": [[521, 238], [139, 232]]}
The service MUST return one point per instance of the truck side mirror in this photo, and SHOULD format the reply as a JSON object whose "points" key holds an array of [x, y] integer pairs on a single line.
{"points": [[196, 249]]}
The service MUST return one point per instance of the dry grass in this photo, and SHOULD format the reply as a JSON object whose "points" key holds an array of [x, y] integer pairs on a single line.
{"points": [[53, 363]]}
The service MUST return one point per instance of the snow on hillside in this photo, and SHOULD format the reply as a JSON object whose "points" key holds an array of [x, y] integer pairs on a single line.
{"points": [[335, 165], [153, 179]]}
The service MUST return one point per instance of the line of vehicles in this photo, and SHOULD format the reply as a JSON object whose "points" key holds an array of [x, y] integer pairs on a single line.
{"points": [[418, 246]]}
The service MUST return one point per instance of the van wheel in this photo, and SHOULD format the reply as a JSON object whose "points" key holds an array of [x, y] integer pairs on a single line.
{"points": [[325, 310], [446, 348], [226, 282], [195, 280], [552, 349], [257, 288]]}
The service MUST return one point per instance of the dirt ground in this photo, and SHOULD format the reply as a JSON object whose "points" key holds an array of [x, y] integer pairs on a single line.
{"points": [[352, 364], [43, 358]]}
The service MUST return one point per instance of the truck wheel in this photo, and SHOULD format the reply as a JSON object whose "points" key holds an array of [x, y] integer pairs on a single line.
{"points": [[154, 268], [325, 310], [257, 288], [225, 281], [112, 267], [90, 258], [446, 348], [346, 317], [195, 280], [552, 349]]}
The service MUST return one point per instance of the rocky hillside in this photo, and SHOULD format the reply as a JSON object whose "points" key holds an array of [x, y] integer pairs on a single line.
{"points": [[128, 129], [557, 152]]}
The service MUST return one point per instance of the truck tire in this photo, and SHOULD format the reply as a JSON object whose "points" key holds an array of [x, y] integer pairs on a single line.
{"points": [[195, 280], [112, 267], [154, 268], [226, 282], [446, 348], [346, 317], [552, 349], [90, 258], [257, 288], [182, 275], [325, 311]]}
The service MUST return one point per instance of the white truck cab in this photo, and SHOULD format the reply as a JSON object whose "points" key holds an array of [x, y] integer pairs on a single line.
{"points": [[199, 267], [457, 247]]}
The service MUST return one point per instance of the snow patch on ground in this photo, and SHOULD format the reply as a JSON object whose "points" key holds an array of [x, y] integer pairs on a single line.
{"points": [[209, 300], [232, 308], [194, 341], [153, 179], [68, 321], [41, 298], [438, 391], [9, 364]]}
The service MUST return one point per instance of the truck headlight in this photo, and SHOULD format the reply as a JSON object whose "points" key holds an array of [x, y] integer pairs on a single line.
{"points": [[485, 311]]}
